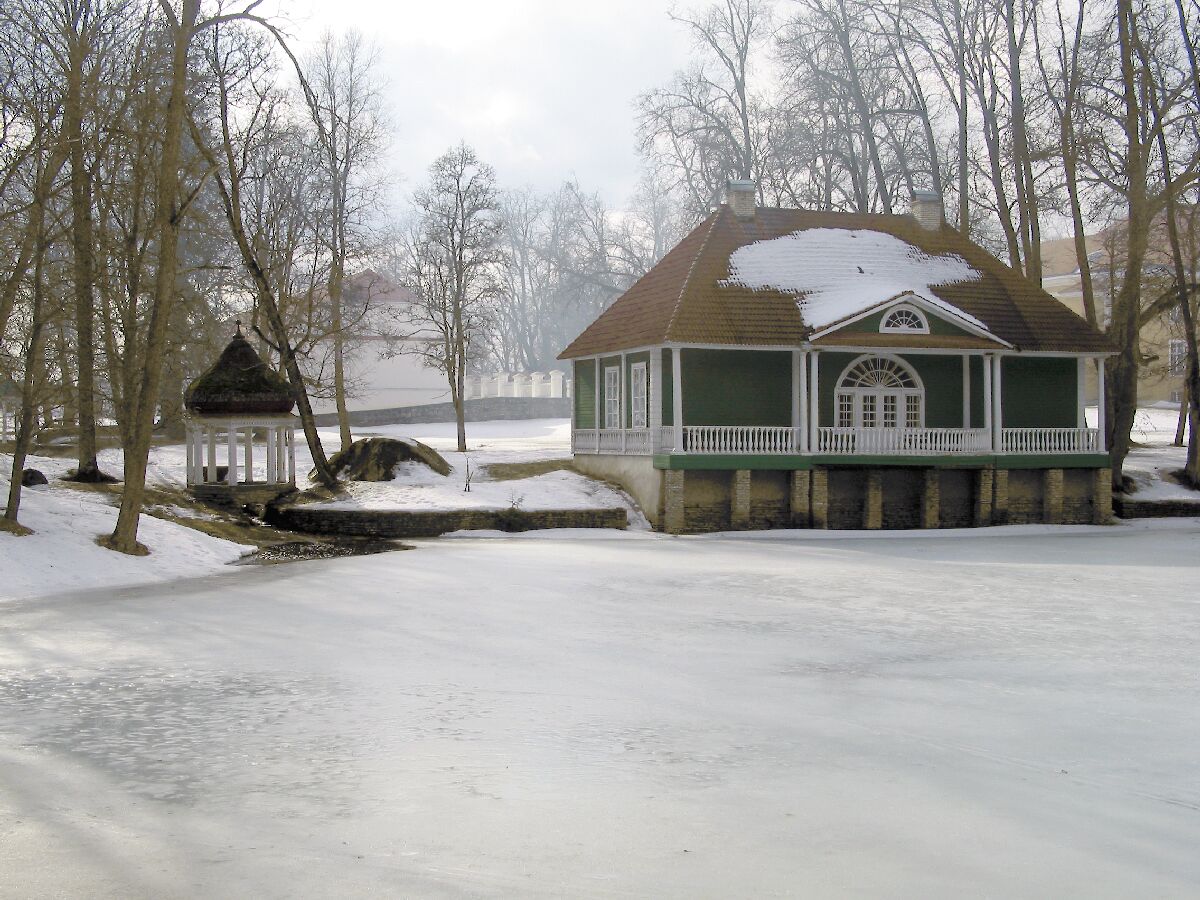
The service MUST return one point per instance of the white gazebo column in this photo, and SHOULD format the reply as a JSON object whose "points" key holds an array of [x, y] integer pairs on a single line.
{"points": [[997, 405], [191, 456], [249, 454], [231, 475], [1101, 412], [966, 391], [814, 402], [210, 434], [677, 397], [272, 457], [281, 439], [291, 443]]}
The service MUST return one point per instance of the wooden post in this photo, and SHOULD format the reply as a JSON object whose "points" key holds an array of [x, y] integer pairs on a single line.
{"points": [[249, 454], [802, 433], [797, 368]]}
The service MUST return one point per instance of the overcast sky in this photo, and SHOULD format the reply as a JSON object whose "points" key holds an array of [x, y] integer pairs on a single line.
{"points": [[543, 90]]}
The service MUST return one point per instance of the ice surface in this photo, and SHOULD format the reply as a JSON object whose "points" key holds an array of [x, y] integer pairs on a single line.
{"points": [[1010, 715], [842, 271]]}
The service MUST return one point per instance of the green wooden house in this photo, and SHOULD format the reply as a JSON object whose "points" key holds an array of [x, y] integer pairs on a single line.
{"points": [[791, 368]]}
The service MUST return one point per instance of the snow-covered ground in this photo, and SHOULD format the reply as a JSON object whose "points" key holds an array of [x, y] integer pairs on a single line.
{"points": [[1001, 712], [62, 553], [1151, 463]]}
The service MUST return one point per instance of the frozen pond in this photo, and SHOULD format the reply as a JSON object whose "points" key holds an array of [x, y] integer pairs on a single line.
{"points": [[1009, 713]]}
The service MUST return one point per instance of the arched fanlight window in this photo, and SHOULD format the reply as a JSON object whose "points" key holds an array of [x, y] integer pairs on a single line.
{"points": [[880, 392], [904, 319]]}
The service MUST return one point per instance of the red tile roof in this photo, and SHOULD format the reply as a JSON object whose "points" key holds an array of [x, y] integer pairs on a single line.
{"points": [[682, 299]]}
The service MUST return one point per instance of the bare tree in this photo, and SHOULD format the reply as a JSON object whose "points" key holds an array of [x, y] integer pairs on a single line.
{"points": [[449, 259], [346, 106]]}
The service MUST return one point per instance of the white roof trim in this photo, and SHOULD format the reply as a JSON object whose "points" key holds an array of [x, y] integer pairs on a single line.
{"points": [[940, 308]]}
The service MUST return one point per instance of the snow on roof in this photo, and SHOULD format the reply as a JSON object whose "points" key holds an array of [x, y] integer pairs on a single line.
{"points": [[842, 271]]}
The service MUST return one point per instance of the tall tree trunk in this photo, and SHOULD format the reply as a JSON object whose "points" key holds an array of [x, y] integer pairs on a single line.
{"points": [[1123, 368], [167, 216], [34, 365], [83, 246]]}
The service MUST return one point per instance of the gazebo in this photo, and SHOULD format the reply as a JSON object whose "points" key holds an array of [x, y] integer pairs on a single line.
{"points": [[238, 409], [10, 403]]}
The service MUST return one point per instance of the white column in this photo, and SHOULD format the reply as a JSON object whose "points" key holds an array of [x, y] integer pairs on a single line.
{"points": [[291, 445], [987, 393], [797, 367], [805, 445], [231, 478], [966, 391], [814, 401], [272, 458], [1080, 398], [3, 422], [677, 397], [249, 454], [1101, 412], [997, 405], [281, 439], [211, 434], [621, 398]]}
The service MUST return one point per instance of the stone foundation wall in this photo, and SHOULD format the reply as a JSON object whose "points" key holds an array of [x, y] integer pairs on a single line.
{"points": [[894, 497], [412, 524], [1146, 509]]}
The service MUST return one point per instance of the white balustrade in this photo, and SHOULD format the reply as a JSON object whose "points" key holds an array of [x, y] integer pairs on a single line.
{"points": [[1051, 440], [768, 440], [902, 441]]}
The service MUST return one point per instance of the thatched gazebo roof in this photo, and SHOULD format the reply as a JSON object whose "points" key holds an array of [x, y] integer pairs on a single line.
{"points": [[240, 383]]}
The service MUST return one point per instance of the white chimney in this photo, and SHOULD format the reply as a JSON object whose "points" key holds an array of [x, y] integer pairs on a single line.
{"points": [[739, 195], [927, 209]]}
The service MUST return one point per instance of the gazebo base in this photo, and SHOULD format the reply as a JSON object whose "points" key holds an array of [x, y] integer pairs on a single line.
{"points": [[242, 494]]}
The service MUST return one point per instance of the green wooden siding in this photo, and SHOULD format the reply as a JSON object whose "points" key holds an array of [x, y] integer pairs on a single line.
{"points": [[737, 387], [978, 412], [632, 358], [1039, 392], [585, 393]]}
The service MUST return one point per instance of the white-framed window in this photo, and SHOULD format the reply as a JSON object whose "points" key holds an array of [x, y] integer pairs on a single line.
{"points": [[875, 391], [1176, 396], [1176, 356], [904, 319], [637, 395], [612, 397]]}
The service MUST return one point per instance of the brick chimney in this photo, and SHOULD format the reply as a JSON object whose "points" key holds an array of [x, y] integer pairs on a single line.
{"points": [[927, 209], [739, 196]]}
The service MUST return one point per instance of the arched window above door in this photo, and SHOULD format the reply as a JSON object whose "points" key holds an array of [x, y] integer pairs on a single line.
{"points": [[880, 392]]}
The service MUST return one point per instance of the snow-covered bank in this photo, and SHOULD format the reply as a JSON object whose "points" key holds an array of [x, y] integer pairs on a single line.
{"points": [[62, 554], [637, 715]]}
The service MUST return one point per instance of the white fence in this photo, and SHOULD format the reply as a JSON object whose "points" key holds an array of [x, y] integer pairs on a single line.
{"points": [[1051, 440], [551, 384], [903, 441]]}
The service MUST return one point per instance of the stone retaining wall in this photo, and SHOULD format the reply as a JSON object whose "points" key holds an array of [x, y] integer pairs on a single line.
{"points": [[430, 523], [483, 410], [1147, 509]]}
